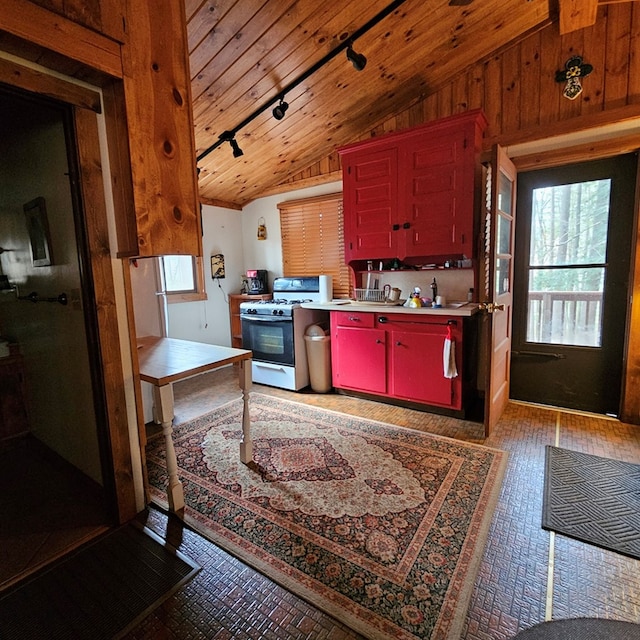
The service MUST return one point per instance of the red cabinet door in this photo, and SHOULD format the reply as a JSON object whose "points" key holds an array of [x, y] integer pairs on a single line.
{"points": [[416, 370], [440, 193], [359, 359], [370, 181]]}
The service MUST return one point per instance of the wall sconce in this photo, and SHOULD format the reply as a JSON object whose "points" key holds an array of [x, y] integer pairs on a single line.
{"points": [[262, 229]]}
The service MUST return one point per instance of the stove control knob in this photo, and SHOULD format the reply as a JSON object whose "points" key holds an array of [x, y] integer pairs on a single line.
{"points": [[274, 312]]}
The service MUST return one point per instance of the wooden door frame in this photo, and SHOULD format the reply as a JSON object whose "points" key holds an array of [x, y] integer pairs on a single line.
{"points": [[115, 443]]}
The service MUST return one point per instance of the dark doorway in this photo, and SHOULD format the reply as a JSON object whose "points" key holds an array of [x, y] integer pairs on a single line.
{"points": [[573, 249], [53, 481]]}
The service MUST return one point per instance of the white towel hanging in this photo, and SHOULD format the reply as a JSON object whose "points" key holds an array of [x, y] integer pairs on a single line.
{"points": [[449, 356]]}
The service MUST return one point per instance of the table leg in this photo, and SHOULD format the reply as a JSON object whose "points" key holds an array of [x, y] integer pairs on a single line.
{"points": [[246, 445], [163, 399]]}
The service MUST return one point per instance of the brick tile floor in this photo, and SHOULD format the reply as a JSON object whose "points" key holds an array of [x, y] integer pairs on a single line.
{"points": [[230, 600]]}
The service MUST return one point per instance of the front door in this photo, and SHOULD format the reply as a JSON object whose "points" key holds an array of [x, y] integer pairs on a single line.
{"points": [[573, 251]]}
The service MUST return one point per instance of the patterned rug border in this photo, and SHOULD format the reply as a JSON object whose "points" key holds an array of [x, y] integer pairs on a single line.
{"points": [[453, 614]]}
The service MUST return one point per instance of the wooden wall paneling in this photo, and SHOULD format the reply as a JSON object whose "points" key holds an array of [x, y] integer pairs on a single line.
{"points": [[430, 108], [630, 409], [475, 85], [511, 89], [530, 79], [157, 94], [35, 24], [460, 93], [445, 100], [104, 293], [617, 52], [415, 114], [594, 53], [633, 93], [549, 90], [493, 94]]}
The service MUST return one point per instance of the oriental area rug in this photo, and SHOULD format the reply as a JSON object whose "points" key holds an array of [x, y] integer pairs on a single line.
{"points": [[382, 527]]}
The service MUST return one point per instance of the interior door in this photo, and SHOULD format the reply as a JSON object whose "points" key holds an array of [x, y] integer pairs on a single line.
{"points": [[574, 243], [498, 284]]}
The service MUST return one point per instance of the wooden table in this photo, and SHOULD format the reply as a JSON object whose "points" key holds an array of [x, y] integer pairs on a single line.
{"points": [[164, 361]]}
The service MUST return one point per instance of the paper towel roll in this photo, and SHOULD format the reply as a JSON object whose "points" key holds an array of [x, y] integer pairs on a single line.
{"points": [[326, 289]]}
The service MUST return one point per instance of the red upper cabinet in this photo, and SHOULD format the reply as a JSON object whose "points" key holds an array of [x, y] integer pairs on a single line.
{"points": [[414, 193], [370, 195]]}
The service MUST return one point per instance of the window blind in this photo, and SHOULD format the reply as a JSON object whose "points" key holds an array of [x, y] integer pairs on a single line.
{"points": [[313, 240]]}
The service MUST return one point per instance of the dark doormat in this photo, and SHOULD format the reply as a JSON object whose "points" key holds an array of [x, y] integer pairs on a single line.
{"points": [[101, 591], [582, 629], [593, 499]]}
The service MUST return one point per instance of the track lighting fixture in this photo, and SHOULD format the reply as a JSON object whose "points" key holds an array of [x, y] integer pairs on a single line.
{"points": [[358, 59], [280, 109], [230, 137]]}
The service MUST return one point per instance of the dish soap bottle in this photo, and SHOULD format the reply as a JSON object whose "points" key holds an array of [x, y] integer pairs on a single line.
{"points": [[415, 301]]}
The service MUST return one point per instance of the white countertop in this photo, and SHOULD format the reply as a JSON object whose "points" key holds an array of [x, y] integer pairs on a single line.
{"points": [[465, 309]]}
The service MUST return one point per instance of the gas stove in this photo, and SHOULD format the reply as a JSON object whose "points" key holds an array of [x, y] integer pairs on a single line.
{"points": [[277, 307], [288, 294], [274, 331]]}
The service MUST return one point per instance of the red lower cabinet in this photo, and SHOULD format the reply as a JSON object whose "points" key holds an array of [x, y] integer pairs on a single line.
{"points": [[399, 356], [359, 359], [416, 366]]}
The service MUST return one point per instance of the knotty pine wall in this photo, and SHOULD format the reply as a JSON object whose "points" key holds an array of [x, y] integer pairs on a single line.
{"points": [[517, 90]]}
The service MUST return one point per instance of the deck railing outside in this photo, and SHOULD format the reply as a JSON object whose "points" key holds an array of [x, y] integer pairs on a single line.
{"points": [[565, 317]]}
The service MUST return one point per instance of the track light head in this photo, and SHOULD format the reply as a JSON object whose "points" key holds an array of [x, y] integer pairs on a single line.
{"points": [[230, 137], [237, 151], [280, 109], [357, 59]]}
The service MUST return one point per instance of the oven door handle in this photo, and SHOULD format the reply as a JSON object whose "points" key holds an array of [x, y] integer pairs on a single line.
{"points": [[267, 318]]}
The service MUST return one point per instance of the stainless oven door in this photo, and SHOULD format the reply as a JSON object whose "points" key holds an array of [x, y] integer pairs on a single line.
{"points": [[270, 339]]}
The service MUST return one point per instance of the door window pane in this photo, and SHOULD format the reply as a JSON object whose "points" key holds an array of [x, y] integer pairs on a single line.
{"points": [[565, 306], [569, 223], [503, 266], [504, 235], [505, 191]]}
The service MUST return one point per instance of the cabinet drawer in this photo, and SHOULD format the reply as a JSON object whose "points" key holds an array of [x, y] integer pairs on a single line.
{"points": [[353, 319]]}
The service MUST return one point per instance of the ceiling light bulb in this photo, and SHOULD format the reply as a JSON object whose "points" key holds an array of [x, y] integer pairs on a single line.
{"points": [[280, 109], [358, 59]]}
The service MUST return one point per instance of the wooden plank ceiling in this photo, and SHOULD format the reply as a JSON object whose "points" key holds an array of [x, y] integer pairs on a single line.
{"points": [[243, 53]]}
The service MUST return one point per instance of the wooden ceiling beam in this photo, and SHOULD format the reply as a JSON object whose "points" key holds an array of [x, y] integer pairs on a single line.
{"points": [[577, 14]]}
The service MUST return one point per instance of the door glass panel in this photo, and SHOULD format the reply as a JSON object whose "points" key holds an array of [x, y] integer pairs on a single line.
{"points": [[502, 276], [569, 223], [504, 235], [565, 306], [505, 193]]}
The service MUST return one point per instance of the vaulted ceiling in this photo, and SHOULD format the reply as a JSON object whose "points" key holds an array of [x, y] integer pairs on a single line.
{"points": [[245, 54]]}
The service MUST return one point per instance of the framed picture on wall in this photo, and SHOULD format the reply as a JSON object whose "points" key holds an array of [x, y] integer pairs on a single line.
{"points": [[38, 227]]}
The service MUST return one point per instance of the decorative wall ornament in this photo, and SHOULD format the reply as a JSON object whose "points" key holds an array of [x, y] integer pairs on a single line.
{"points": [[574, 69], [262, 229]]}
